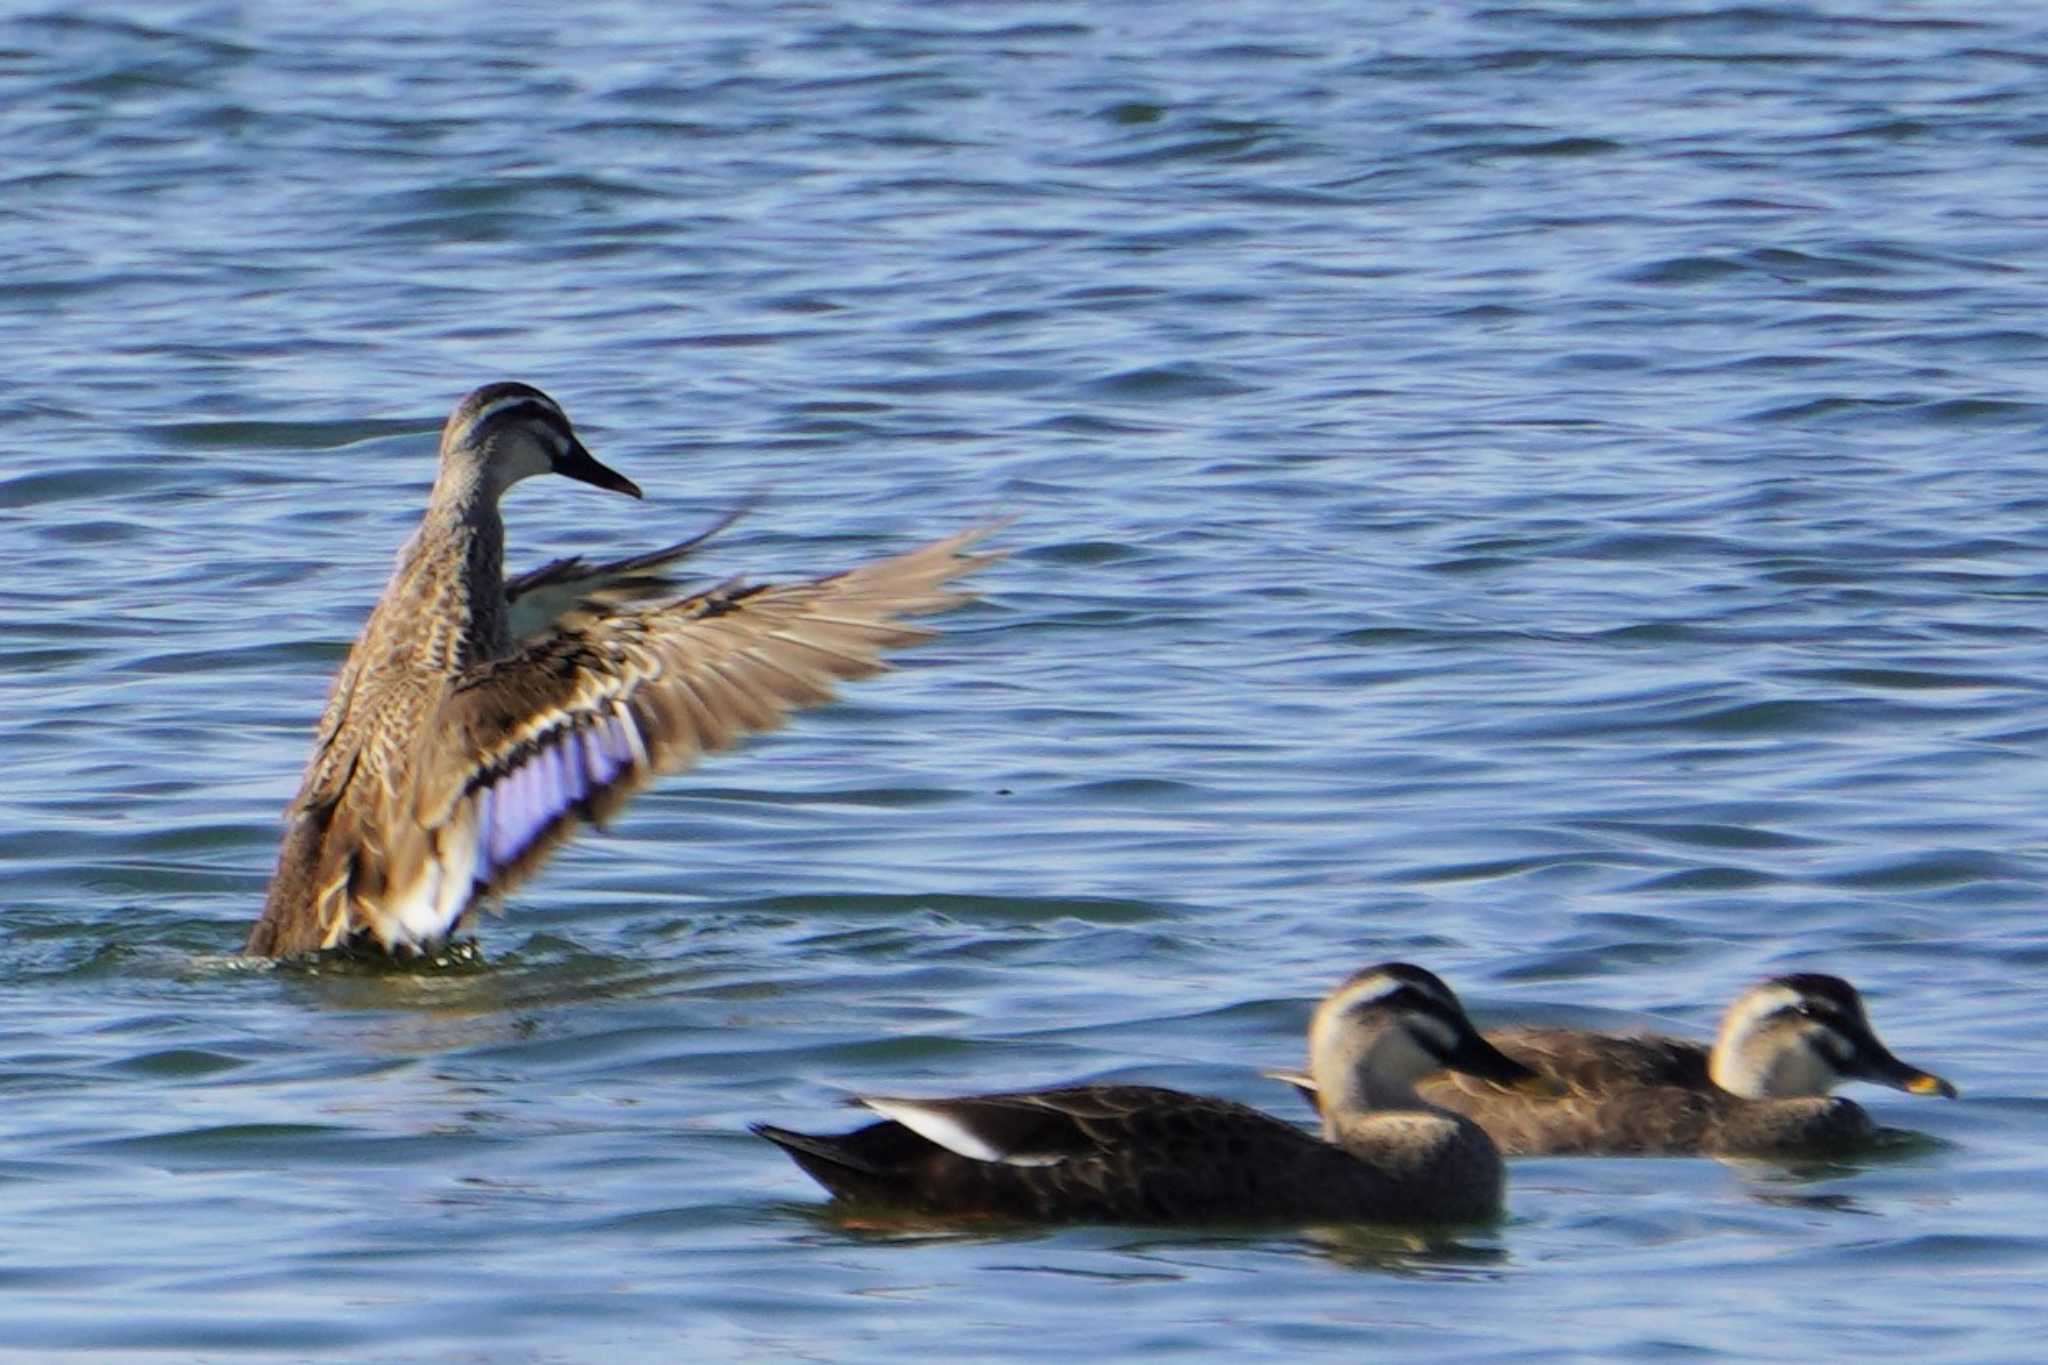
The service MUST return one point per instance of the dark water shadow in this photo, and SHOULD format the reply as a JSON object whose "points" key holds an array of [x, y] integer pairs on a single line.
{"points": [[1429, 1250]]}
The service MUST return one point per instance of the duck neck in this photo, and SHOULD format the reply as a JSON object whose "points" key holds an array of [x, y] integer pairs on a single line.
{"points": [[1357, 1089], [453, 574], [1753, 1070]]}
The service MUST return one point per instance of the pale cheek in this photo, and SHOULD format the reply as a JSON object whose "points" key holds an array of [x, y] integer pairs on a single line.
{"points": [[1402, 1057], [1805, 1072]]}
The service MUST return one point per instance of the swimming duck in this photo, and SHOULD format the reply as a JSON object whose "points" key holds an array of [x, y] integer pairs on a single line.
{"points": [[1763, 1088], [478, 719], [1134, 1153]]}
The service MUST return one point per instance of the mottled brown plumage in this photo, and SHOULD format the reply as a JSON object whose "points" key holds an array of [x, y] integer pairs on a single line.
{"points": [[477, 722], [1761, 1090], [1125, 1153]]}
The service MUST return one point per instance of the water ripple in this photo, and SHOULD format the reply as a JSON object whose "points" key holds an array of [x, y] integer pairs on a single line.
{"points": [[1548, 490]]}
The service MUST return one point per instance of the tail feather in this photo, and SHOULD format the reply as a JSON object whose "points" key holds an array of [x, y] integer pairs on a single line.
{"points": [[805, 1148]]}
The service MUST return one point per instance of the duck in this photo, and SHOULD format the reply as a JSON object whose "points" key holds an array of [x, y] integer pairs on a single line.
{"points": [[478, 720], [1144, 1154], [1763, 1089]]}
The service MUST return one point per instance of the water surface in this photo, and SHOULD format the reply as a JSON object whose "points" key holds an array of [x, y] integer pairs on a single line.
{"points": [[1552, 491]]}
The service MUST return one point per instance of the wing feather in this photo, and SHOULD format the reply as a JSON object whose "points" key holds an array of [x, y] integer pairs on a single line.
{"points": [[539, 597], [565, 730]]}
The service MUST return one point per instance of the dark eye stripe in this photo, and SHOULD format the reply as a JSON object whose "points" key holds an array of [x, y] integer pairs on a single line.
{"points": [[512, 411], [1409, 998], [1823, 995]]}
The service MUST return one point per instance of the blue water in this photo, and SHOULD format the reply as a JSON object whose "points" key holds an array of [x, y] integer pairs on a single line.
{"points": [[1553, 491]]}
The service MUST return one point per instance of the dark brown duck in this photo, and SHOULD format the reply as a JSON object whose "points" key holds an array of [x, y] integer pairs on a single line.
{"points": [[1128, 1153]]}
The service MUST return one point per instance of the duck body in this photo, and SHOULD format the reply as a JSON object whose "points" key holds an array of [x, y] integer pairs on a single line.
{"points": [[1641, 1096], [1140, 1154], [478, 721], [443, 613]]}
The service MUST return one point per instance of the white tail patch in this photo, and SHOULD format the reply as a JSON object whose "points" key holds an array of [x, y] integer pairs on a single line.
{"points": [[947, 1131]]}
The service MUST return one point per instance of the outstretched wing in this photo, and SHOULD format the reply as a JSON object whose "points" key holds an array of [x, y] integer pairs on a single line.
{"points": [[539, 597], [577, 721]]}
